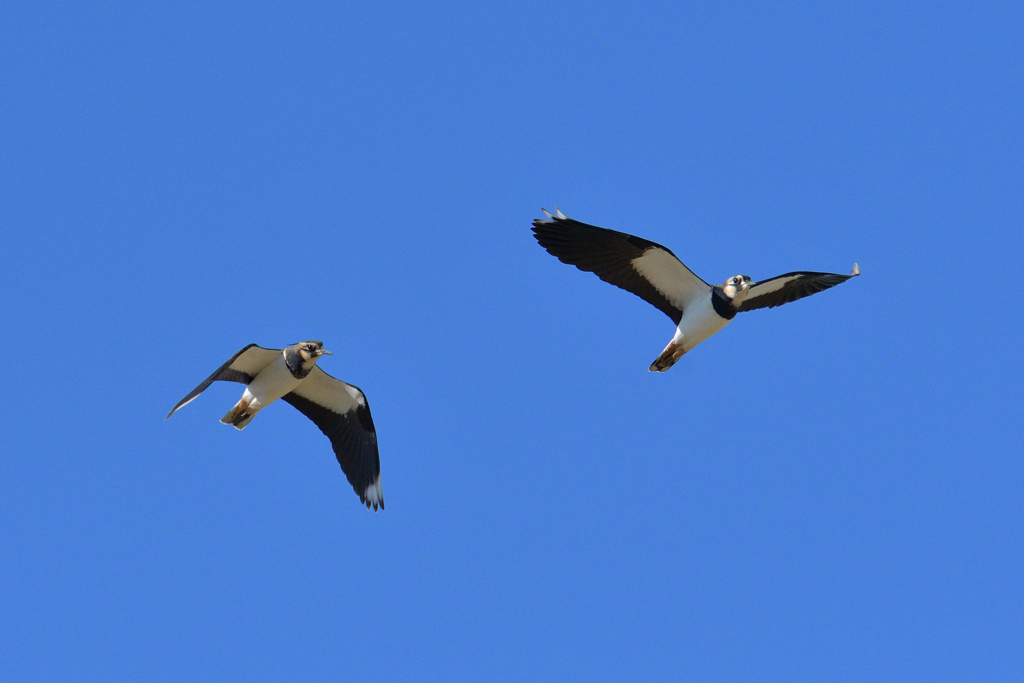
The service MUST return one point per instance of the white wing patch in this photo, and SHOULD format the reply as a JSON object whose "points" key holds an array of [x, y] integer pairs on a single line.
{"points": [[255, 359], [670, 277], [329, 392], [769, 286]]}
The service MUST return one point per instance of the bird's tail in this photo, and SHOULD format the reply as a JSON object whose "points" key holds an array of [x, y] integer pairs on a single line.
{"points": [[240, 415], [673, 352]]}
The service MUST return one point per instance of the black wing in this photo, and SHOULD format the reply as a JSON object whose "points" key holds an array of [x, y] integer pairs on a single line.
{"points": [[790, 287], [241, 368], [341, 412], [634, 264]]}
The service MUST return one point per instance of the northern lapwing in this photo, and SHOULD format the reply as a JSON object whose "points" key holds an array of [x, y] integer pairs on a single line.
{"points": [[340, 410], [657, 276]]}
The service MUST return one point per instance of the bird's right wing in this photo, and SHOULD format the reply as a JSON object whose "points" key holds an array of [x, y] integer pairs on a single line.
{"points": [[341, 412], [634, 264], [783, 289], [241, 367]]}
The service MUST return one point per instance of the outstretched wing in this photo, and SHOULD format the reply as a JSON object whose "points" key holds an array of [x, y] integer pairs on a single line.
{"points": [[341, 412], [790, 287], [241, 367], [640, 266]]}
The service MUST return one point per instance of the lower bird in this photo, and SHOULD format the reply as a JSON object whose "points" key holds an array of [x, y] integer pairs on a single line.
{"points": [[657, 276], [340, 410]]}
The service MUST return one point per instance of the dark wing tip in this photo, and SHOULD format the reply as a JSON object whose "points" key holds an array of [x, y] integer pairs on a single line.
{"points": [[541, 229], [193, 395], [558, 217]]}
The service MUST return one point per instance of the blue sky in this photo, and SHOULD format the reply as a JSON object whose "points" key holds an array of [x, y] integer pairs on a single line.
{"points": [[827, 491]]}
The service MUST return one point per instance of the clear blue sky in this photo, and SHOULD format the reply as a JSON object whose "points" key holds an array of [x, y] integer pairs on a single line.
{"points": [[830, 491]]}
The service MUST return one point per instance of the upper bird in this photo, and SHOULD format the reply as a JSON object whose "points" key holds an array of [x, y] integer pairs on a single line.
{"points": [[340, 410], [654, 274]]}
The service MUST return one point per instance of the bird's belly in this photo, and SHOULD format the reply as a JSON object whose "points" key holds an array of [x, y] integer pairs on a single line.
{"points": [[271, 384], [697, 326]]}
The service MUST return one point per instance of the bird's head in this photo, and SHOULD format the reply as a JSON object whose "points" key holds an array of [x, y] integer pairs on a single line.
{"points": [[301, 358], [311, 351], [735, 288]]}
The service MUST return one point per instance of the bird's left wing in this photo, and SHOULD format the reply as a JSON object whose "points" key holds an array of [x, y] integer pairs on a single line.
{"points": [[241, 368], [790, 287], [635, 264], [341, 412]]}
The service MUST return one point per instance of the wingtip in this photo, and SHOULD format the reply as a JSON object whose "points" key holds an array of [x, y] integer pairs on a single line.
{"points": [[558, 215], [856, 270], [373, 496]]}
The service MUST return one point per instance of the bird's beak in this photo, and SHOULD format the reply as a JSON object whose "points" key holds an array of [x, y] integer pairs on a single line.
{"points": [[325, 351]]}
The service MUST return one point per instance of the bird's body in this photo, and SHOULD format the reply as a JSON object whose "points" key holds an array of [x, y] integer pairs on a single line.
{"points": [[277, 379], [700, 321], [340, 410], [657, 276], [272, 383]]}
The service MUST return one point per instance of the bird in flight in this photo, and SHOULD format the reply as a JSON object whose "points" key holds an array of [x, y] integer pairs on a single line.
{"points": [[657, 276], [340, 410]]}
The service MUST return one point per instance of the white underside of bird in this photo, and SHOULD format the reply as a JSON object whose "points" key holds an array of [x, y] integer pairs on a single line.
{"points": [[700, 321], [273, 382]]}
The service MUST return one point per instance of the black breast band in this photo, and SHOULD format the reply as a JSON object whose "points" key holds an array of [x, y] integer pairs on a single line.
{"points": [[293, 361], [722, 305]]}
